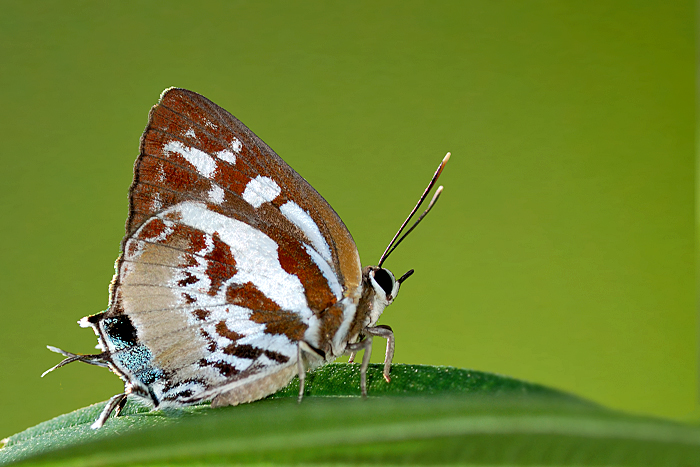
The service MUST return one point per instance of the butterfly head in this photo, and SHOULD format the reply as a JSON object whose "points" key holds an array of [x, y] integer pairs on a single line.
{"points": [[381, 288], [384, 286]]}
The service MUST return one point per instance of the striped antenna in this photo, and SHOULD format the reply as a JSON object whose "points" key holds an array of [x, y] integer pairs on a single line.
{"points": [[394, 242]]}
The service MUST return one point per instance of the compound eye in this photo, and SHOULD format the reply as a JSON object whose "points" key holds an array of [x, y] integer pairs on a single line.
{"points": [[385, 280]]}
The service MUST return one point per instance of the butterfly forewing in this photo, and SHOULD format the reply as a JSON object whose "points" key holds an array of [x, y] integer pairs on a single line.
{"points": [[232, 253], [185, 128]]}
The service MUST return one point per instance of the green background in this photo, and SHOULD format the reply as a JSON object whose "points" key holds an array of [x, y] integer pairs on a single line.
{"points": [[561, 252]]}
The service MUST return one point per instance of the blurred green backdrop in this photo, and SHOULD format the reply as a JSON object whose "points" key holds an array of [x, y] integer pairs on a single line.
{"points": [[562, 251]]}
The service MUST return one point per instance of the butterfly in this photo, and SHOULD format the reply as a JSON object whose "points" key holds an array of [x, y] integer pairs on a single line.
{"points": [[235, 274]]}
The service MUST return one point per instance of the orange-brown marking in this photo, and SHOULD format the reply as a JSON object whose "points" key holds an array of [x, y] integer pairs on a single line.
{"points": [[248, 296], [211, 344], [252, 353], [224, 331], [295, 260], [232, 178], [202, 314], [281, 322], [187, 280], [153, 229], [226, 369], [221, 265], [189, 299]]}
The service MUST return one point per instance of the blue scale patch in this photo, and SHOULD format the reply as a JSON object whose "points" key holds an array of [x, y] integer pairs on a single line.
{"points": [[129, 353]]}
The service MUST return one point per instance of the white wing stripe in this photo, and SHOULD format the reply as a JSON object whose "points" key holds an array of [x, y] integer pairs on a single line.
{"points": [[227, 156], [256, 256], [327, 272], [297, 216], [216, 194], [203, 162], [260, 190]]}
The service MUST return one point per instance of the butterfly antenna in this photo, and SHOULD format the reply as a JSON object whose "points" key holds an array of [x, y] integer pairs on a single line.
{"points": [[394, 242]]}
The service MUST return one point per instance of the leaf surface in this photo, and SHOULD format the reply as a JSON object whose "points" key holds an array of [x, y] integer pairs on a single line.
{"points": [[426, 415]]}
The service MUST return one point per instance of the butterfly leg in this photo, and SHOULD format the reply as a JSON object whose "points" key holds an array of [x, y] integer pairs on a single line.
{"points": [[387, 333], [115, 402], [120, 407], [366, 346], [302, 373]]}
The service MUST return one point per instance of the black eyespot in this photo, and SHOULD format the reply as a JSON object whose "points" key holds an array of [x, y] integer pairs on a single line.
{"points": [[383, 278], [120, 331]]}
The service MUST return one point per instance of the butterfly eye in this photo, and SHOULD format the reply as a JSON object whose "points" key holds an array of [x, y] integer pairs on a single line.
{"points": [[385, 280]]}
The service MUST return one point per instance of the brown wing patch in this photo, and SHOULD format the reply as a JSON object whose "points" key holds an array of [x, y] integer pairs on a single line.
{"points": [[248, 296], [221, 265], [253, 353], [225, 369], [280, 322], [295, 260], [224, 331], [202, 314], [153, 229]]}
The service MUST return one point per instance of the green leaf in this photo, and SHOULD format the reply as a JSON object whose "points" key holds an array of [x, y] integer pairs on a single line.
{"points": [[426, 415]]}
